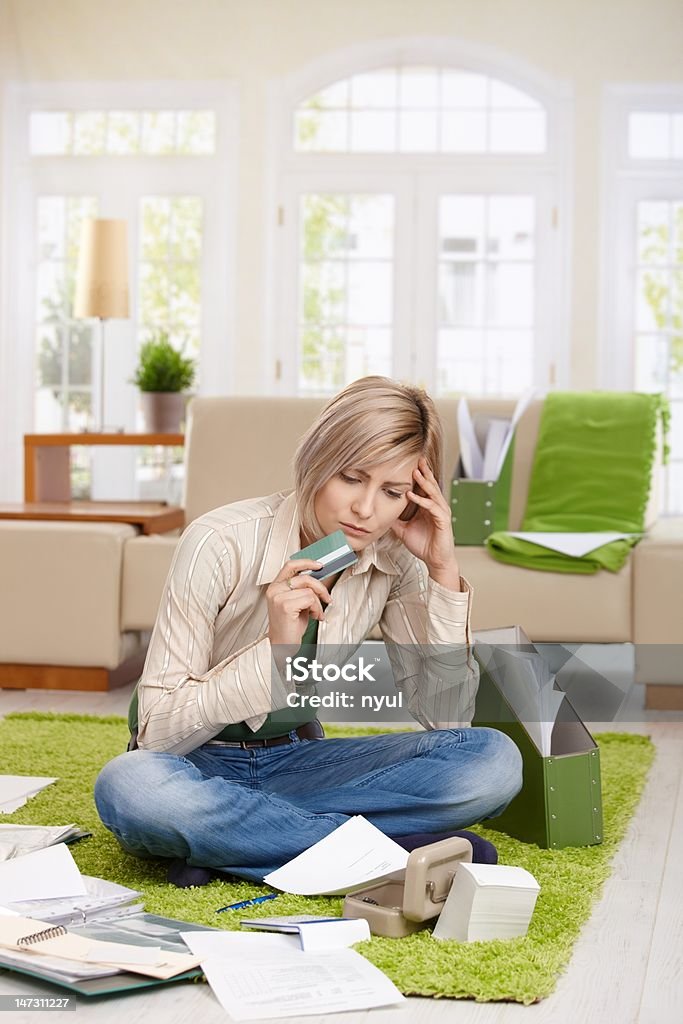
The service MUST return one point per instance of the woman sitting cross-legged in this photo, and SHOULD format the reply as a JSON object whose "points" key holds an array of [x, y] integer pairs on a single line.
{"points": [[227, 776]]}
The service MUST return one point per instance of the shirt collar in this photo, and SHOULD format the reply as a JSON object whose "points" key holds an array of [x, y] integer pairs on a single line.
{"points": [[283, 541]]}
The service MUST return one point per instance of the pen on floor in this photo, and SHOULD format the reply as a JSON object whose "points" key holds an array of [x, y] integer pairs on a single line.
{"points": [[248, 903]]}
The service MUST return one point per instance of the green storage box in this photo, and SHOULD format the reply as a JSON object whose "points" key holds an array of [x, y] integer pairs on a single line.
{"points": [[560, 803], [479, 507]]}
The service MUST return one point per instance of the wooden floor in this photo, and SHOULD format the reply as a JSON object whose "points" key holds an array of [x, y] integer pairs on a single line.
{"points": [[626, 967]]}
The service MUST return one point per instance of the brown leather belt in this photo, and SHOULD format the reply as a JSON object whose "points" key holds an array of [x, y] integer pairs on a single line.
{"points": [[309, 731]]}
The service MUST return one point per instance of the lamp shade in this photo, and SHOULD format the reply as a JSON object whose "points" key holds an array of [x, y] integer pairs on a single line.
{"points": [[102, 276]]}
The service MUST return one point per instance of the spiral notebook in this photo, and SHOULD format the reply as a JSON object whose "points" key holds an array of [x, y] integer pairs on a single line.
{"points": [[74, 958]]}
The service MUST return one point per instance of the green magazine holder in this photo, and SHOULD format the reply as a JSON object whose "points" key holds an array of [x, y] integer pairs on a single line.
{"points": [[560, 803], [480, 507]]}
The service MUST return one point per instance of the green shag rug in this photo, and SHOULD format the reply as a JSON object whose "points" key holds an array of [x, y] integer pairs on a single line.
{"points": [[524, 970]]}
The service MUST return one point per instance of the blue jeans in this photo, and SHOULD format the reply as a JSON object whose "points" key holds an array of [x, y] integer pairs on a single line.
{"points": [[248, 812]]}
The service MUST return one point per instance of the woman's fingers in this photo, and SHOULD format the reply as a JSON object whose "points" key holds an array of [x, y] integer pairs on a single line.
{"points": [[296, 565], [296, 601], [294, 576], [303, 582], [430, 485], [427, 480]]}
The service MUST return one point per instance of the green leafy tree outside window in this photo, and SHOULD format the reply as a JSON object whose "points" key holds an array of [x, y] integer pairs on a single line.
{"points": [[666, 299]]}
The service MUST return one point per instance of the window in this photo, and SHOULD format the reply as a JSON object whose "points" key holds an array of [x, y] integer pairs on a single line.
{"points": [[486, 294], [122, 132], [420, 110], [655, 136], [64, 345], [136, 153], [346, 288], [644, 268], [169, 268], [419, 200]]}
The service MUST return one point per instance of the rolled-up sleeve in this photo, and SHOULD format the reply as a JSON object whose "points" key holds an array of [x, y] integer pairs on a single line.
{"points": [[426, 628], [183, 700]]}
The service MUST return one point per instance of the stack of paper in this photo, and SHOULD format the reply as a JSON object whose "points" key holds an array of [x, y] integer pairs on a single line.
{"points": [[15, 790], [488, 901], [17, 840]]}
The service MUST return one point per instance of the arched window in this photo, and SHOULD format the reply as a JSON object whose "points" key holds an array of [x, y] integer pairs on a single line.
{"points": [[420, 110], [419, 192]]}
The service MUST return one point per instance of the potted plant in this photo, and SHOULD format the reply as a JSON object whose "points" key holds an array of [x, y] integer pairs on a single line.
{"points": [[163, 375]]}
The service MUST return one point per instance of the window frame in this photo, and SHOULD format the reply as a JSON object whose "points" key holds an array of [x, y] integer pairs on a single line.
{"points": [[625, 181], [27, 176], [288, 168]]}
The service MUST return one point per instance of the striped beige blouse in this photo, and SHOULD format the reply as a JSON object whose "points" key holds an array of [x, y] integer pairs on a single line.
{"points": [[209, 662]]}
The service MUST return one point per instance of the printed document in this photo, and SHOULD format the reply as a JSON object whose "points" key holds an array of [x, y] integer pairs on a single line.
{"points": [[15, 790], [352, 856], [266, 976], [314, 933], [16, 840], [41, 875]]}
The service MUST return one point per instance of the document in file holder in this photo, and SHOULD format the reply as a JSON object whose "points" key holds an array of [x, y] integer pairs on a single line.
{"points": [[524, 678], [485, 461]]}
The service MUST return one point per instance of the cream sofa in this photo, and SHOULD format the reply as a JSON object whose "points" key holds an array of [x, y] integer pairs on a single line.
{"points": [[78, 599]]}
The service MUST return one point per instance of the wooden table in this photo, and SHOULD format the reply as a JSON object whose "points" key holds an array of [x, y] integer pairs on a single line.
{"points": [[150, 516], [47, 459]]}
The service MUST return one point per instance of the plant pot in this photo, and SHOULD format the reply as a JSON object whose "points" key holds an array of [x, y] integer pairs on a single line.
{"points": [[162, 411]]}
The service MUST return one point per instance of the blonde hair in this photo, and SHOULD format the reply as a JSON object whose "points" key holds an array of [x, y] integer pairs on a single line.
{"points": [[372, 421]]}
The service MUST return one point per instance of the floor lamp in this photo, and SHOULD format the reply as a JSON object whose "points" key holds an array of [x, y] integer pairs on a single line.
{"points": [[102, 282]]}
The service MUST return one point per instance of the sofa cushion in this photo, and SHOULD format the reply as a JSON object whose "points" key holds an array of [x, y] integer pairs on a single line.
{"points": [[61, 589], [658, 597], [548, 606], [146, 561], [239, 448]]}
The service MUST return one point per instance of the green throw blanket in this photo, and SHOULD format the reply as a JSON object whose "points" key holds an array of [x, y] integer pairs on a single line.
{"points": [[591, 472]]}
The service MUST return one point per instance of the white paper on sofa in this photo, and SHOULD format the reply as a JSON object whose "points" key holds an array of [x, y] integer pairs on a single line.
{"points": [[575, 544]]}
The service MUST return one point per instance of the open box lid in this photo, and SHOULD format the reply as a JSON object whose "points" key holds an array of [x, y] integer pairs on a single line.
{"points": [[429, 874]]}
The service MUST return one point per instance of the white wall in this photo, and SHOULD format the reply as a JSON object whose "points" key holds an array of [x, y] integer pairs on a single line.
{"points": [[585, 42]]}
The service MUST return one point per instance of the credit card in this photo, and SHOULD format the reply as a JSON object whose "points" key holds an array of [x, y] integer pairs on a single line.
{"points": [[334, 553]]}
